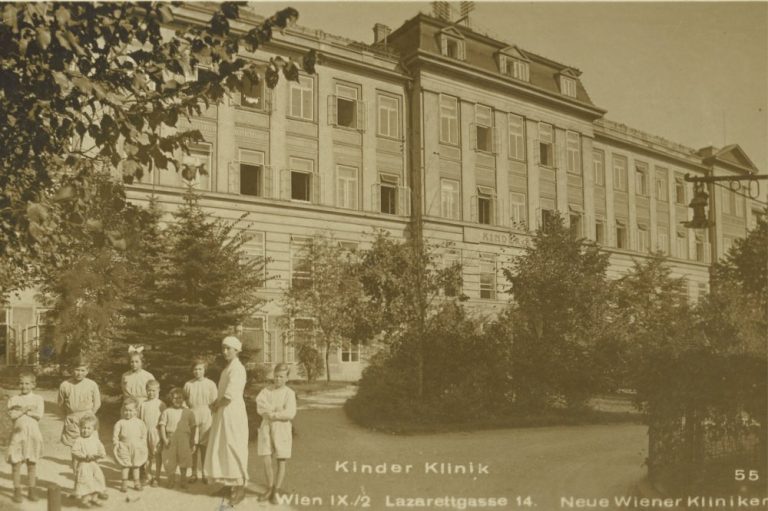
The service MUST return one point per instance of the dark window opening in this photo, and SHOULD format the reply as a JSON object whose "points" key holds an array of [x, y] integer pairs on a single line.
{"points": [[250, 179], [300, 186]]}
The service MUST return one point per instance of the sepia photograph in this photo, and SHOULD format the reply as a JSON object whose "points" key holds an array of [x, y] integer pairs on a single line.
{"points": [[383, 255]]}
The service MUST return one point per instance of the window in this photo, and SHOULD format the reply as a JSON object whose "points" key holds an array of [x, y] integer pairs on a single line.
{"points": [[388, 194], [702, 249], [483, 128], [641, 178], [449, 120], [267, 350], [485, 205], [199, 160], [739, 204], [573, 145], [253, 94], [516, 137], [350, 352], [643, 239], [301, 265], [574, 225], [487, 277], [661, 184], [303, 334], [255, 249], [662, 239], [346, 110], [702, 290], [389, 116], [547, 211], [727, 244], [679, 190], [251, 173], [301, 179], [452, 258], [619, 173], [254, 336], [682, 245], [600, 231], [346, 189], [568, 86], [302, 94], [727, 201], [518, 209], [516, 68], [449, 199], [452, 47], [546, 145], [621, 235], [598, 167]]}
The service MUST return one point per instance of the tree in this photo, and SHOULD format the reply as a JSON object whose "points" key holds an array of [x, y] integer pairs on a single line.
{"points": [[404, 285], [204, 284], [330, 296], [559, 336], [87, 280], [86, 86], [656, 324]]}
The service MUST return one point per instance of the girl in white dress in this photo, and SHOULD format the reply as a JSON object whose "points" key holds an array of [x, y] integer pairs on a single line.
{"points": [[226, 460], [177, 429], [277, 406], [26, 445], [134, 382], [129, 439], [88, 450], [200, 392], [149, 412]]}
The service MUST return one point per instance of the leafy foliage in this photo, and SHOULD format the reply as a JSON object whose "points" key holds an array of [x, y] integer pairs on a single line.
{"points": [[88, 85], [330, 296], [203, 284], [561, 343]]}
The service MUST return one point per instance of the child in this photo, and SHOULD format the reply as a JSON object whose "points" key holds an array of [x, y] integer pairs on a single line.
{"points": [[134, 382], [88, 450], [199, 393], [177, 429], [78, 396], [130, 444], [277, 406], [149, 412], [26, 445]]}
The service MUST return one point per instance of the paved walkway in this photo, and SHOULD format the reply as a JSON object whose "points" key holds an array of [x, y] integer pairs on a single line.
{"points": [[542, 464]]}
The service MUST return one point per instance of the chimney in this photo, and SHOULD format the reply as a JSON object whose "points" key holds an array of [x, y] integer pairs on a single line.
{"points": [[380, 33]]}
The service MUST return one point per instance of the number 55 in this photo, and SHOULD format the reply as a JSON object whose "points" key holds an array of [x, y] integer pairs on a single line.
{"points": [[743, 475]]}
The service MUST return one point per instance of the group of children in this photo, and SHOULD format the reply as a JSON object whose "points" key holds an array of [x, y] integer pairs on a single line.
{"points": [[148, 437]]}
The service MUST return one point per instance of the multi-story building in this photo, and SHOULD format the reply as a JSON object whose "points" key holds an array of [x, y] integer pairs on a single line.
{"points": [[436, 130]]}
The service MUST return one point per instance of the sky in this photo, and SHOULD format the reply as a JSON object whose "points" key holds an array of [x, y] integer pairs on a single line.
{"points": [[692, 72]]}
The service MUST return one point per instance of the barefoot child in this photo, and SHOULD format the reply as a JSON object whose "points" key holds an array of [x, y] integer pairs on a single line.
{"points": [[177, 429], [88, 450], [149, 412], [130, 444], [277, 406], [134, 382], [78, 396], [26, 445], [200, 392]]}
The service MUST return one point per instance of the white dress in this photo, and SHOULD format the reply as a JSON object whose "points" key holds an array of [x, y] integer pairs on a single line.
{"points": [[134, 384], [130, 442], [90, 478], [26, 442], [199, 395], [276, 436], [149, 412], [226, 460]]}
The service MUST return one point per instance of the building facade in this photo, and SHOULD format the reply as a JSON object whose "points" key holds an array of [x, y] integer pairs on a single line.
{"points": [[434, 127]]}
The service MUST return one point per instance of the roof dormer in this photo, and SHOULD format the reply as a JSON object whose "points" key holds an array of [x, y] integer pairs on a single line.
{"points": [[567, 80], [514, 63], [451, 42]]}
